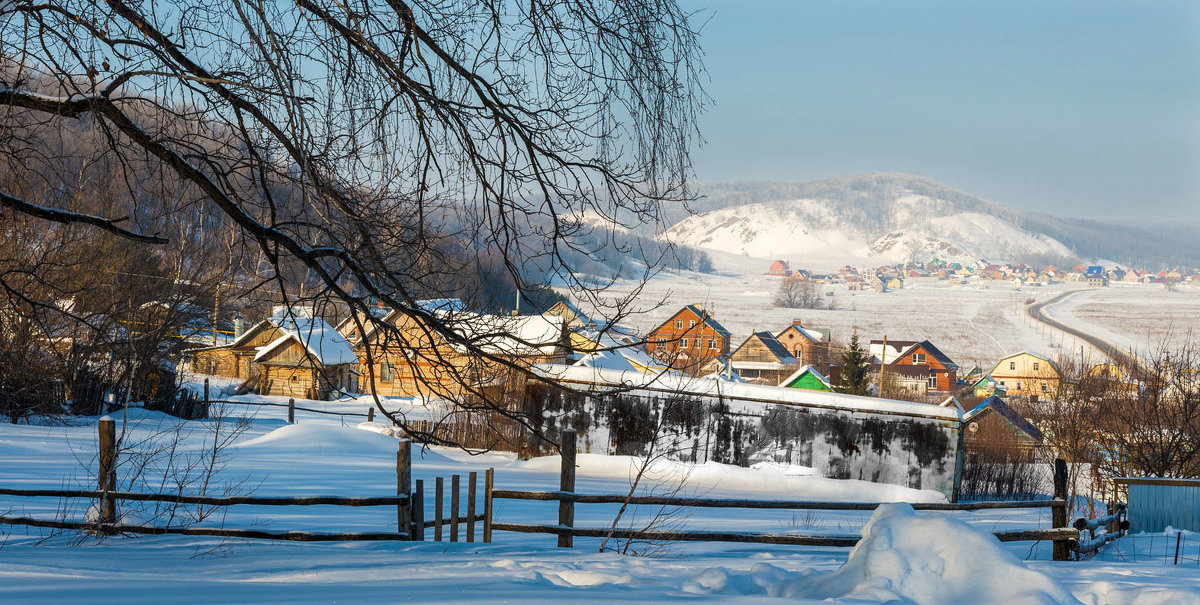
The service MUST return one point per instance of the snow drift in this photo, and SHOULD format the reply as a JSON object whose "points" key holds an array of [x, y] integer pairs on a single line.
{"points": [[905, 557]]}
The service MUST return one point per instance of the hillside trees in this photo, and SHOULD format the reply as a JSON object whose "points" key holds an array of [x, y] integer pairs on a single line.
{"points": [[353, 150]]}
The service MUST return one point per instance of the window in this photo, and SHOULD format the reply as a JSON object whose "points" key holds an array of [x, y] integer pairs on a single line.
{"points": [[1035, 366], [692, 323], [932, 382], [1012, 365], [1002, 384], [678, 324], [918, 358], [712, 344], [387, 371], [683, 343], [1045, 387]]}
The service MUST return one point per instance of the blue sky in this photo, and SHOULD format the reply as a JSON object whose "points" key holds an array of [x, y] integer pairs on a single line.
{"points": [[1074, 108]]}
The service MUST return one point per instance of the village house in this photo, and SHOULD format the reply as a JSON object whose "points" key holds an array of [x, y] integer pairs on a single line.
{"points": [[293, 353], [807, 377], [939, 371], [808, 345], [471, 355], [689, 339], [995, 431], [760, 359], [779, 268], [1027, 375]]}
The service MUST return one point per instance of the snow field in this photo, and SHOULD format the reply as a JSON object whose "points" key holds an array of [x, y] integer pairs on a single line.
{"points": [[907, 558]]}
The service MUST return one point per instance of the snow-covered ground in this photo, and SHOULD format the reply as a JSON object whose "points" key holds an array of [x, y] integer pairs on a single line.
{"points": [[907, 557], [975, 324], [1135, 317]]}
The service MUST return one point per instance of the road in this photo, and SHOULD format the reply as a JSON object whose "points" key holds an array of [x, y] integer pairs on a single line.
{"points": [[1114, 353]]}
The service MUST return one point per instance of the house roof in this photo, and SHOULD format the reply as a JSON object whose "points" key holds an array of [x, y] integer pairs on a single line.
{"points": [[806, 370], [705, 317], [1018, 354], [997, 405], [773, 345], [323, 343], [935, 352], [814, 338]]}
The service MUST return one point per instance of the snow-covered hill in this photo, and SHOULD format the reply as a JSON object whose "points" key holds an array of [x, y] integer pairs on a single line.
{"points": [[883, 224]]}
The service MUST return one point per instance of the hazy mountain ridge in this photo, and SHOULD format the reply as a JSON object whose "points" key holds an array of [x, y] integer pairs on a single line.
{"points": [[899, 217]]}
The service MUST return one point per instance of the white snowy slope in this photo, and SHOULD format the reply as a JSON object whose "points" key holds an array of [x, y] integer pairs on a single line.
{"points": [[898, 229]]}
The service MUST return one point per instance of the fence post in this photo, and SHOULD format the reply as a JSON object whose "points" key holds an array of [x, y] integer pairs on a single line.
{"points": [[418, 512], [370, 414], [488, 482], [107, 476], [291, 410], [471, 507], [404, 487], [1058, 514], [192, 414], [455, 488], [437, 511], [1178, 539], [566, 509]]}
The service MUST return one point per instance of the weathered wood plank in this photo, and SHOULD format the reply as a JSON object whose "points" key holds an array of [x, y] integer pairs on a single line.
{"points": [[775, 504]]}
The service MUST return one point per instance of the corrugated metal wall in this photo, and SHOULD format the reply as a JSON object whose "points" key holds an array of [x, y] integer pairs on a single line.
{"points": [[1155, 504]]}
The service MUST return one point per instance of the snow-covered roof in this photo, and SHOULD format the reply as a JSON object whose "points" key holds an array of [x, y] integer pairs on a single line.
{"points": [[508, 334], [809, 370], [633, 353], [997, 405], [325, 344], [601, 379]]}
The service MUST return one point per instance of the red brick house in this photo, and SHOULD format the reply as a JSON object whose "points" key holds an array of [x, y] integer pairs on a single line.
{"points": [[780, 268], [689, 339], [941, 371], [807, 345]]}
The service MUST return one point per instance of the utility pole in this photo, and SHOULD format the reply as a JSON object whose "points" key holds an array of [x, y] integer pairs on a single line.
{"points": [[882, 363]]}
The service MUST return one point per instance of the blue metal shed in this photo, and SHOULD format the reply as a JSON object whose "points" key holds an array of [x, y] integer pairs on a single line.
{"points": [[1154, 503]]}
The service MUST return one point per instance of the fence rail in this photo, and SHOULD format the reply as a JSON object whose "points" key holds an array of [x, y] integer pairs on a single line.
{"points": [[212, 500], [111, 528], [768, 504]]}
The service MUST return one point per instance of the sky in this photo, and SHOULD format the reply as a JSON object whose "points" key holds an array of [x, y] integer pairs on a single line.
{"points": [[1076, 108]]}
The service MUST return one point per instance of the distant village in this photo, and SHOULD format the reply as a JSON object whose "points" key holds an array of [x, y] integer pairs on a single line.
{"points": [[893, 277], [294, 353]]}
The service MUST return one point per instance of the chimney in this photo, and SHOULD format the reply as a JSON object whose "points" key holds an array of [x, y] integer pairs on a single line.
{"points": [[379, 304], [798, 323], [699, 306], [239, 326]]}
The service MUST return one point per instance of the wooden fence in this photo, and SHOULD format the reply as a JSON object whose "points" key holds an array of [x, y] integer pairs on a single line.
{"points": [[1065, 538], [411, 522], [107, 497]]}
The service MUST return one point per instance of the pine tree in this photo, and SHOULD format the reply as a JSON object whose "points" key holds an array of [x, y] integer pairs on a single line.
{"points": [[855, 362]]}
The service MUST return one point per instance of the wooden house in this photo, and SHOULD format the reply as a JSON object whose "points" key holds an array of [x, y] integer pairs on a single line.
{"points": [[807, 377], [293, 353], [689, 339], [779, 268], [1027, 375], [993, 427], [761, 359], [467, 355], [809, 346], [940, 372]]}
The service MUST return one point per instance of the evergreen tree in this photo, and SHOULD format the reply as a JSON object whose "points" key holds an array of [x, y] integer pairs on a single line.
{"points": [[855, 362]]}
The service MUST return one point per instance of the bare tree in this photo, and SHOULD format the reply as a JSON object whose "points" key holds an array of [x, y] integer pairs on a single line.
{"points": [[796, 293], [358, 152]]}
